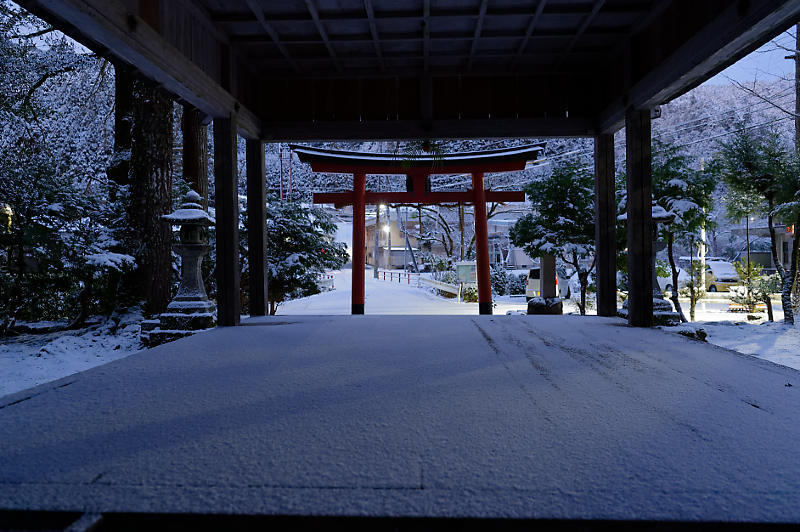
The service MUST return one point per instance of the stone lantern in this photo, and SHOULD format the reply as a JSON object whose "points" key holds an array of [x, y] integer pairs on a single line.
{"points": [[190, 310]]}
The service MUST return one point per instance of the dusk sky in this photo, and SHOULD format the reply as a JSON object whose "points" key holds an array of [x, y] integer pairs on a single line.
{"points": [[765, 64]]}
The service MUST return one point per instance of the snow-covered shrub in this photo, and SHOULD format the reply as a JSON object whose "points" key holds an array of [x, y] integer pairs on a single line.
{"points": [[499, 280], [469, 294], [449, 277], [516, 283]]}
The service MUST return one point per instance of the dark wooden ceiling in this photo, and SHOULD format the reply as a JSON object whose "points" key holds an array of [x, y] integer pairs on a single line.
{"points": [[368, 69]]}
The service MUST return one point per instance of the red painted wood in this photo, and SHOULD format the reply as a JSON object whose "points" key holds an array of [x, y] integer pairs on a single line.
{"points": [[346, 168], [359, 236], [374, 198], [482, 245]]}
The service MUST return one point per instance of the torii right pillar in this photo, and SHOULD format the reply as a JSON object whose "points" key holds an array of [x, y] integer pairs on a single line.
{"points": [[640, 221]]}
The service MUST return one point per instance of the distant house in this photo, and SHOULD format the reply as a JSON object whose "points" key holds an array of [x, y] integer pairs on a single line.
{"points": [[760, 251], [390, 233]]}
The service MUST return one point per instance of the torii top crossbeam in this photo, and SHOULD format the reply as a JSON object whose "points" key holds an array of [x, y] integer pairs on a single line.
{"points": [[418, 169]]}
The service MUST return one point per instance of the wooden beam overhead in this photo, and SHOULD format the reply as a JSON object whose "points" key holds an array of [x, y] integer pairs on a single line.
{"points": [[477, 34], [312, 9], [530, 29], [109, 28], [373, 28], [581, 29], [728, 35], [259, 14], [426, 33], [573, 126]]}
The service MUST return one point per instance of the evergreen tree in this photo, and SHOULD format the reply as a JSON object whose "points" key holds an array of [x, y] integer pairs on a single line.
{"points": [[300, 248], [685, 193], [755, 164], [562, 221]]}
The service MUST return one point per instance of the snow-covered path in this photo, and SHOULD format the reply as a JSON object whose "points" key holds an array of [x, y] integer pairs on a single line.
{"points": [[385, 297]]}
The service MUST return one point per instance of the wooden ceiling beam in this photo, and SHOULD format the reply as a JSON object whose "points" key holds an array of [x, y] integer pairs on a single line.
{"points": [[582, 28], [312, 9], [373, 29], [109, 28], [426, 33], [440, 129], [477, 34], [530, 29], [273, 35], [727, 36]]}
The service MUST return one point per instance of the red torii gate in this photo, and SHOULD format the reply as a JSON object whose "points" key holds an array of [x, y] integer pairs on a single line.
{"points": [[418, 170]]}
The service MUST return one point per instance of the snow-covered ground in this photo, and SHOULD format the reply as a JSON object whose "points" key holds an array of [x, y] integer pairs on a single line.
{"points": [[385, 297], [31, 359]]}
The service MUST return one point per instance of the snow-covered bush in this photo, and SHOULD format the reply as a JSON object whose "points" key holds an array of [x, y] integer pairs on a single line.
{"points": [[516, 283], [499, 281], [469, 294]]}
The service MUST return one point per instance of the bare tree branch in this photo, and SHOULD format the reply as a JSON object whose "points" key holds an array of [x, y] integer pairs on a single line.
{"points": [[762, 98]]}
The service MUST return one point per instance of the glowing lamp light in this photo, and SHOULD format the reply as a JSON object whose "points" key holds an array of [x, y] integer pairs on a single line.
{"points": [[386, 229]]}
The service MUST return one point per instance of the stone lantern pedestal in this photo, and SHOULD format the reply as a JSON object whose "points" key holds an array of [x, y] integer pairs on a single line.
{"points": [[191, 310]]}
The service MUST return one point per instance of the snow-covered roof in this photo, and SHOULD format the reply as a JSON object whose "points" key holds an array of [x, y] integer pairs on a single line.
{"points": [[437, 163]]}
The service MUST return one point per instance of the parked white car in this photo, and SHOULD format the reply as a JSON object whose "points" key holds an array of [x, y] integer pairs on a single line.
{"points": [[665, 283], [533, 284]]}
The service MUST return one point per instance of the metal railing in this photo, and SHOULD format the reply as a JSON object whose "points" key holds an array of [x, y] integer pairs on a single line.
{"points": [[391, 276]]}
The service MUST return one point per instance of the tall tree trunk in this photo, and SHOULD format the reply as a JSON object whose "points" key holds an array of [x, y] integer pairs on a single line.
{"points": [[195, 151], [118, 170], [151, 194]]}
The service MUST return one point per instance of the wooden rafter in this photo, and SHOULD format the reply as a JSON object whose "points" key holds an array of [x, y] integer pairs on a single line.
{"points": [[312, 10], [477, 34], [373, 28], [582, 29], [426, 32], [529, 30], [259, 14]]}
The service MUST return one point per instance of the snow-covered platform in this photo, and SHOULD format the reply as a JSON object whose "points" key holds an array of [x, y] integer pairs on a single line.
{"points": [[553, 417]]}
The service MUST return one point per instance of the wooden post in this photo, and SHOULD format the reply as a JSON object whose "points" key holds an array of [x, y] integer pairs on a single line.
{"points": [[547, 276], [257, 227], [639, 223], [482, 245], [227, 210], [195, 151], [605, 220], [359, 190]]}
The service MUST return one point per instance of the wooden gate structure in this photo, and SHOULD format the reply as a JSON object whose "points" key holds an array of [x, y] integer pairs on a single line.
{"points": [[309, 70], [418, 170]]}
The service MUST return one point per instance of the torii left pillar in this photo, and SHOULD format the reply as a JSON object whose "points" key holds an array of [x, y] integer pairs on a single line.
{"points": [[482, 245], [359, 241]]}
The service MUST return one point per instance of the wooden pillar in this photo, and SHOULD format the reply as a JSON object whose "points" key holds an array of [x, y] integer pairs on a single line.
{"points": [[257, 227], [227, 214], [482, 245], [359, 190], [605, 220], [547, 276], [639, 223], [195, 151]]}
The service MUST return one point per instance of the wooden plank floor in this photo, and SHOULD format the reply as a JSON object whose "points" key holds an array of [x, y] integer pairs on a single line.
{"points": [[408, 416]]}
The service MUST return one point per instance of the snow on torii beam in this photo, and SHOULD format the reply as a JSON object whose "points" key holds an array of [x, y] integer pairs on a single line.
{"points": [[418, 169]]}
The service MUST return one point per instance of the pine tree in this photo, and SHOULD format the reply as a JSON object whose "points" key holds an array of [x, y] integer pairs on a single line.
{"points": [[562, 221], [300, 247]]}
